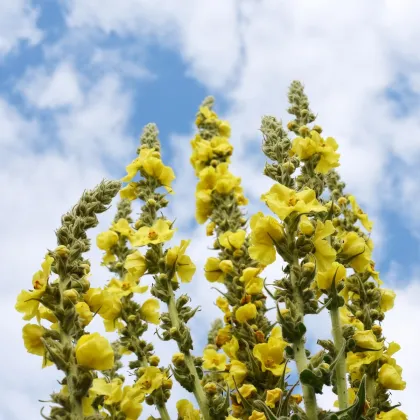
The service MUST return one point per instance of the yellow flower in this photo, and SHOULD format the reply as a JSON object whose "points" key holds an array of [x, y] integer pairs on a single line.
{"points": [[150, 311], [358, 212], [131, 402], [226, 266], [129, 192], [265, 232], [347, 318], [45, 313], [246, 390], [220, 146], [116, 289], [393, 414], [223, 304], [106, 240], [224, 336], [184, 267], [283, 201], [32, 338], [186, 410], [210, 228], [212, 270], [273, 397], [28, 301], [231, 348], [324, 279], [324, 252], [203, 205], [375, 274], [257, 415], [390, 377], [387, 299], [155, 168], [253, 283], [135, 263], [138, 162], [151, 380], [237, 374], [158, 233], [232, 240], [296, 398], [246, 312], [270, 354], [356, 249], [303, 147], [224, 128], [94, 352], [123, 227], [367, 340], [84, 312], [214, 360], [306, 226], [111, 390], [355, 361]]}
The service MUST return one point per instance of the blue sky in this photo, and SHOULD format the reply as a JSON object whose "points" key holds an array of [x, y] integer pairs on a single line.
{"points": [[79, 80]]}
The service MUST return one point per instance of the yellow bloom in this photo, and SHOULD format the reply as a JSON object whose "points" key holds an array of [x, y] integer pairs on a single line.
{"points": [[210, 228], [123, 227], [265, 232], [393, 414], [226, 266], [257, 415], [186, 410], [273, 397], [203, 205], [135, 263], [111, 390], [84, 312], [220, 146], [214, 360], [328, 156], [138, 162], [155, 168], [324, 252], [355, 361], [116, 289], [158, 233], [324, 279], [232, 240], [303, 147], [346, 318], [131, 402], [283, 201], [129, 192], [355, 247], [231, 348], [45, 313], [27, 301], [358, 212], [150, 311], [387, 299], [151, 380], [94, 352], [367, 340], [212, 270], [296, 398], [270, 354], [237, 374], [224, 336], [306, 226], [106, 240], [246, 390], [246, 312], [390, 377], [253, 283], [184, 267], [223, 304], [224, 128], [32, 338]]}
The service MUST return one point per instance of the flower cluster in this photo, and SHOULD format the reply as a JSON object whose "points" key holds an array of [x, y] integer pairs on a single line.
{"points": [[316, 229]]}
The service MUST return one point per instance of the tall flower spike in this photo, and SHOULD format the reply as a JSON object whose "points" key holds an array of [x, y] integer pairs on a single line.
{"points": [[219, 199], [152, 231]]}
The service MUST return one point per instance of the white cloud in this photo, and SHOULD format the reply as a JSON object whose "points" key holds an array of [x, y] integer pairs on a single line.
{"points": [[17, 23], [55, 89]]}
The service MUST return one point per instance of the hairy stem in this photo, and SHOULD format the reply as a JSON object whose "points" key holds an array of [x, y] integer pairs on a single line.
{"points": [[189, 361], [340, 369]]}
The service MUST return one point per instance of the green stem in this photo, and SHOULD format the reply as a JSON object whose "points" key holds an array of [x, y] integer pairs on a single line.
{"points": [[370, 389], [340, 368], [198, 391], [301, 360], [164, 415]]}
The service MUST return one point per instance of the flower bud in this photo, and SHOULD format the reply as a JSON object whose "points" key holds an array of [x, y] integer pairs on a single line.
{"points": [[178, 359], [154, 360], [210, 388], [238, 253], [71, 294], [62, 251], [288, 167], [317, 128], [259, 335], [291, 125], [226, 266], [210, 228], [308, 268], [377, 330], [304, 131], [342, 201], [151, 202], [167, 383]]}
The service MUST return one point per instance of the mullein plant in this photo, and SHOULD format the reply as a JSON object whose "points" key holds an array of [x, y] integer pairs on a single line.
{"points": [[243, 372]]}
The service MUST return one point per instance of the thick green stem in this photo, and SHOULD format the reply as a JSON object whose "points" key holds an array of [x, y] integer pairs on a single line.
{"points": [[370, 389], [301, 360], [340, 368], [198, 391]]}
